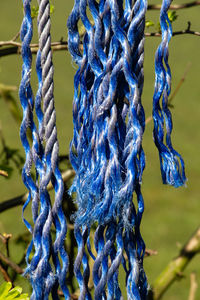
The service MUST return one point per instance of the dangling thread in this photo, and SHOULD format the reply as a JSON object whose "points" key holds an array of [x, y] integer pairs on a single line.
{"points": [[27, 101], [106, 150], [171, 162], [43, 279]]}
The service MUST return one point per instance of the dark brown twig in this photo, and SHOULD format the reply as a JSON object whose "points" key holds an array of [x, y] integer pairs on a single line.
{"points": [[5, 239], [175, 6], [11, 264], [4, 273], [72, 296], [12, 47], [16, 36], [180, 32]]}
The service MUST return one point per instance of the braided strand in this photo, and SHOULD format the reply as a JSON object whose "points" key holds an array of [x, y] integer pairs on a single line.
{"points": [[171, 162]]}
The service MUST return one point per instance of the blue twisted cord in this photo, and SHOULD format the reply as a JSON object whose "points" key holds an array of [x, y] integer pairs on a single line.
{"points": [[26, 98], [32, 153], [114, 291], [52, 172], [98, 271], [81, 258], [171, 162], [106, 151], [42, 278]]}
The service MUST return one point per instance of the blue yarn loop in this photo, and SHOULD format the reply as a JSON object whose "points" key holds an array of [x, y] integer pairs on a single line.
{"points": [[106, 149], [45, 276], [171, 162]]}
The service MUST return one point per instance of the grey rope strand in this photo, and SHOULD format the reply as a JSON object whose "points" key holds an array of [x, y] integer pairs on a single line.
{"points": [[51, 150]]}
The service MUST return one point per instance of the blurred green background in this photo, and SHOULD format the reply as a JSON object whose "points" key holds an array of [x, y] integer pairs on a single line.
{"points": [[171, 215]]}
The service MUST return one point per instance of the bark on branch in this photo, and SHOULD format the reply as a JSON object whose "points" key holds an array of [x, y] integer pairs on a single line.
{"points": [[11, 264], [175, 6], [12, 47], [175, 268]]}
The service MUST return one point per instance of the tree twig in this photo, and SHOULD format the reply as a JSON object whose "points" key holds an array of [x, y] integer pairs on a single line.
{"points": [[13, 47], [16, 36], [11, 264], [180, 32], [193, 286], [172, 272], [175, 6], [20, 200], [3, 173], [150, 252], [5, 239], [4, 273], [181, 81], [72, 296]]}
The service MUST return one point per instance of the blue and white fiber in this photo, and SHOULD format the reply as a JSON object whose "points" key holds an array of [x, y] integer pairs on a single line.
{"points": [[106, 149], [171, 162], [44, 277]]}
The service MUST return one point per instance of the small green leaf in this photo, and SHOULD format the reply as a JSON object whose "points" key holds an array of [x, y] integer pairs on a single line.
{"points": [[6, 293], [172, 15], [149, 24], [14, 293], [52, 8], [23, 297], [34, 11], [4, 289]]}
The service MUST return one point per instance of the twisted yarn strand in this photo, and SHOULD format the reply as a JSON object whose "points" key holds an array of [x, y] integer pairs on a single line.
{"points": [[51, 156], [106, 150], [171, 162], [32, 153], [44, 155], [81, 258]]}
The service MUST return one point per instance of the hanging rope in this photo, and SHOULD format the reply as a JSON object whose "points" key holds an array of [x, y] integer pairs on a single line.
{"points": [[106, 150], [51, 149], [171, 162], [32, 153], [44, 154]]}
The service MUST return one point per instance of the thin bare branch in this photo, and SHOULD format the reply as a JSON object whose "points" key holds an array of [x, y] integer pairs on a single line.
{"points": [[175, 268], [13, 47], [181, 81], [150, 252], [72, 296], [3, 173], [5, 239], [193, 286], [11, 264], [16, 36], [180, 32], [175, 6], [4, 273]]}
